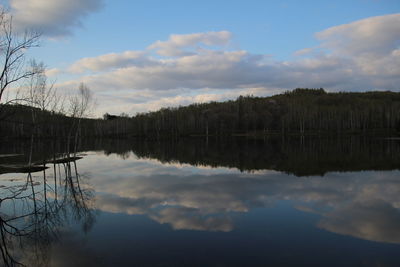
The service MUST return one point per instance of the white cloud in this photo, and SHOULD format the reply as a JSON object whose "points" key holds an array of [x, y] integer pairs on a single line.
{"points": [[176, 43], [372, 44], [215, 69], [186, 97], [53, 18], [376, 35], [359, 56], [52, 72], [110, 61], [303, 51]]}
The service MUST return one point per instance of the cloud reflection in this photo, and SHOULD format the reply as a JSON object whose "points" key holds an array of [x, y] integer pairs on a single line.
{"points": [[193, 219], [360, 204], [373, 220]]}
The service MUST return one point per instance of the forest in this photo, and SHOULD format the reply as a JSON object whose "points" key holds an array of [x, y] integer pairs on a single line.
{"points": [[299, 112]]}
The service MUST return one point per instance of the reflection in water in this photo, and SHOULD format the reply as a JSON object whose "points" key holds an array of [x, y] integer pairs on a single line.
{"points": [[216, 189], [35, 210], [299, 156], [360, 204], [374, 220], [203, 202]]}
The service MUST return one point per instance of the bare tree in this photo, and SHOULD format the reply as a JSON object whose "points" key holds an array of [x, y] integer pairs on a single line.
{"points": [[13, 46], [80, 106], [42, 94]]}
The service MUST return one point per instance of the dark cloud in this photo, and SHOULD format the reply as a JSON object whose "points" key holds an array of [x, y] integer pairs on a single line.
{"points": [[53, 18]]}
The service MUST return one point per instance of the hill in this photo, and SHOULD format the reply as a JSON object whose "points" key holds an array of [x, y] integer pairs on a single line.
{"points": [[296, 112], [301, 111]]}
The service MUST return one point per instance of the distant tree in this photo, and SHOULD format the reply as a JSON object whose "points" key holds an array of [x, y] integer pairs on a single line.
{"points": [[43, 98], [109, 117], [80, 106], [42, 94]]}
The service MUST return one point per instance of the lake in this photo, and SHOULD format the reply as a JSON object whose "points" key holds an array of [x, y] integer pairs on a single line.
{"points": [[296, 201]]}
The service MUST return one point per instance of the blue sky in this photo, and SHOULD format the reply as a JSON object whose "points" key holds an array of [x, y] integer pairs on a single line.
{"points": [[221, 49], [269, 27]]}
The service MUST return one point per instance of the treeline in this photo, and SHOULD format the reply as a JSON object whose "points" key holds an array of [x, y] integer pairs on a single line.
{"points": [[301, 111], [22, 121]]}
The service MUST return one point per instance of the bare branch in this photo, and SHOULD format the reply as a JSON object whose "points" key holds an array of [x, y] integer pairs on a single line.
{"points": [[13, 46]]}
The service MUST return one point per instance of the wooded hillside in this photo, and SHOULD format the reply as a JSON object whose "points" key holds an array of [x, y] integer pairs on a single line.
{"points": [[301, 111]]}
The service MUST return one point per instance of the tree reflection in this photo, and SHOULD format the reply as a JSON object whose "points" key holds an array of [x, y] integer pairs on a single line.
{"points": [[305, 156], [34, 211]]}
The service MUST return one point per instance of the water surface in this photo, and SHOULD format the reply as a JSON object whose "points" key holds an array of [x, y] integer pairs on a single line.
{"points": [[197, 202]]}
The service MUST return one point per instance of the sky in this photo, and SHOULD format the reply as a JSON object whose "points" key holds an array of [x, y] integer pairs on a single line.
{"points": [[138, 56]]}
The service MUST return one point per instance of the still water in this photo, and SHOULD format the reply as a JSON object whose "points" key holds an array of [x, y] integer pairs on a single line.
{"points": [[196, 202]]}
